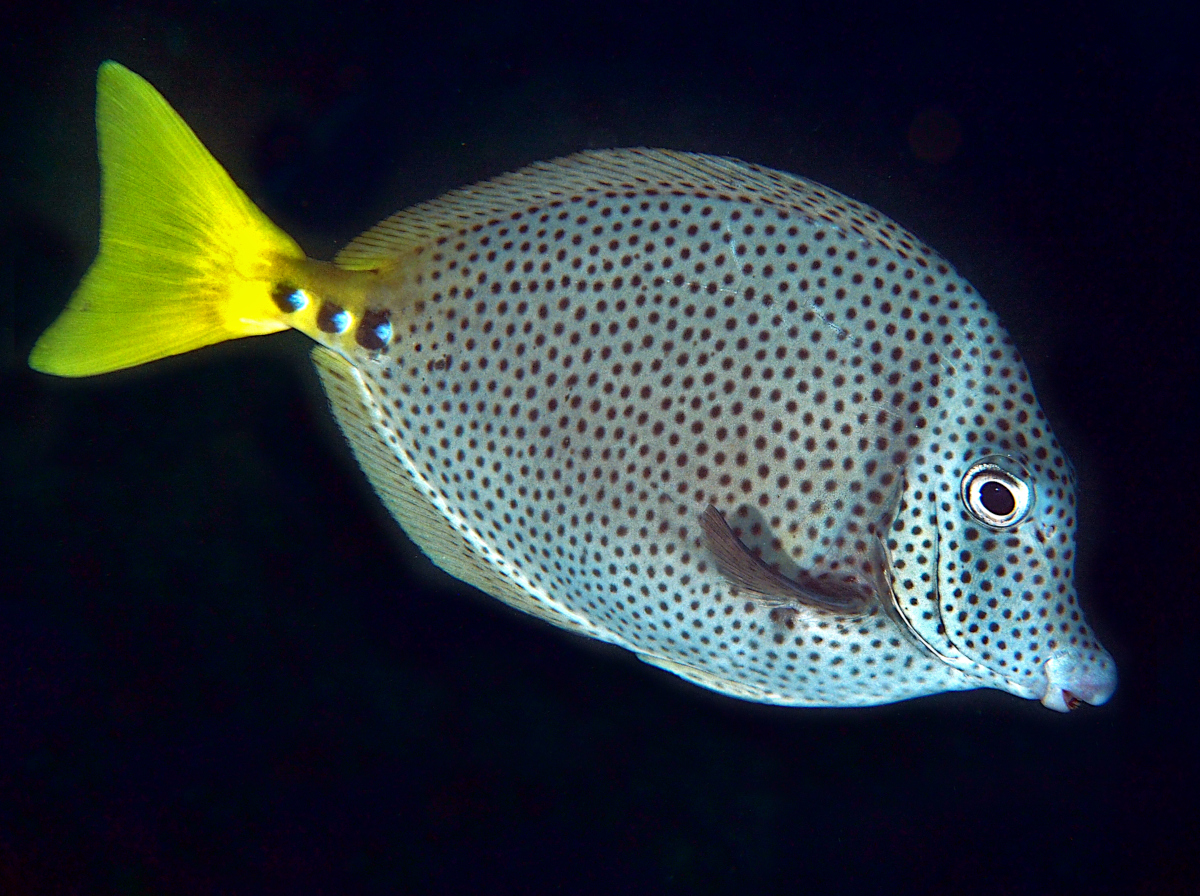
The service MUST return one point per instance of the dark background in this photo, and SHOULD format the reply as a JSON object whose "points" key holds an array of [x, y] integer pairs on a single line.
{"points": [[223, 670]]}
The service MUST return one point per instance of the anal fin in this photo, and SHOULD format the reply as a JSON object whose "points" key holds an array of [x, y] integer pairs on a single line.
{"points": [[726, 685], [353, 407]]}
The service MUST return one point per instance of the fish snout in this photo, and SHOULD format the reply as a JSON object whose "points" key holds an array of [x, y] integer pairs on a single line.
{"points": [[1072, 679]]}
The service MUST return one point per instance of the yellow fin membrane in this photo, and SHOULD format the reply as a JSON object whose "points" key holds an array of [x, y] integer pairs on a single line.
{"points": [[186, 259]]}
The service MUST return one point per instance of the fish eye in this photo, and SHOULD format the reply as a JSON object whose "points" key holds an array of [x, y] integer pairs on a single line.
{"points": [[995, 496]]}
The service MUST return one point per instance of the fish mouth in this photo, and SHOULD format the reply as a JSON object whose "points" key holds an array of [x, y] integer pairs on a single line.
{"points": [[1072, 681]]}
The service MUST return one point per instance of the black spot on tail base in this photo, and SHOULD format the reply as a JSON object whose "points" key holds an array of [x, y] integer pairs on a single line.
{"points": [[329, 317], [281, 295], [374, 331]]}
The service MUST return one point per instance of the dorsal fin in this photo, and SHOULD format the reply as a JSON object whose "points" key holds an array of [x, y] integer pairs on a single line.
{"points": [[620, 170]]}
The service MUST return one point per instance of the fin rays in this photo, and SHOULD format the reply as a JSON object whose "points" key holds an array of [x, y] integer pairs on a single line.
{"points": [[186, 259], [749, 574]]}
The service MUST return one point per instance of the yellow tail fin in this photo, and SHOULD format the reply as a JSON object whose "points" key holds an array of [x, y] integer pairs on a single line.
{"points": [[186, 259]]}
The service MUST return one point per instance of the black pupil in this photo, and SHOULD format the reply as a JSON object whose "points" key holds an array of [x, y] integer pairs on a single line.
{"points": [[997, 498]]}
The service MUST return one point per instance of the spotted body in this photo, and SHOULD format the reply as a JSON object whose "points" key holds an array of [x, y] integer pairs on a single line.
{"points": [[726, 418]]}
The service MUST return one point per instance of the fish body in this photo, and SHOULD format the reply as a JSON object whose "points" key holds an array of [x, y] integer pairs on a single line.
{"points": [[729, 419]]}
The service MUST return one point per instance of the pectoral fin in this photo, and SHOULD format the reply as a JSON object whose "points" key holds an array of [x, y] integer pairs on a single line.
{"points": [[750, 575]]}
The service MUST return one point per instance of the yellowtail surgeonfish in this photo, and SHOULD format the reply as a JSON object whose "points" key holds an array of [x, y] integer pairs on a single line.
{"points": [[726, 418]]}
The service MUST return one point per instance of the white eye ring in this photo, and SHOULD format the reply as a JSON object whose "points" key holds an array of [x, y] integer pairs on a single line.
{"points": [[995, 496]]}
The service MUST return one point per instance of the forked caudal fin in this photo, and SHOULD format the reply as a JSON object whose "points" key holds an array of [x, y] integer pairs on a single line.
{"points": [[186, 259]]}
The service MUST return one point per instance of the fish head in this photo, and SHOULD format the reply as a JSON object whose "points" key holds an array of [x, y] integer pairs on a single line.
{"points": [[982, 554]]}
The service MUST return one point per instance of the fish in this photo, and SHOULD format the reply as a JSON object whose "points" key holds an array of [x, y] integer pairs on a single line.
{"points": [[731, 420]]}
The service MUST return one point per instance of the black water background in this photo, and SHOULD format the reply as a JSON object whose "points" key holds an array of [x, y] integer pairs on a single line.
{"points": [[221, 670]]}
